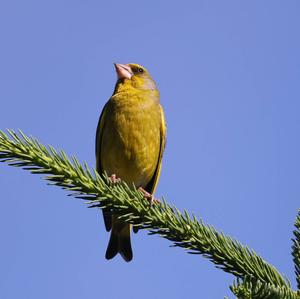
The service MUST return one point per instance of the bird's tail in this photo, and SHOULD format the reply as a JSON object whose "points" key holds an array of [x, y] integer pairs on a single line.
{"points": [[119, 241]]}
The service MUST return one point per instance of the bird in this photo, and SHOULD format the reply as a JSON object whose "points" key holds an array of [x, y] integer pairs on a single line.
{"points": [[130, 141]]}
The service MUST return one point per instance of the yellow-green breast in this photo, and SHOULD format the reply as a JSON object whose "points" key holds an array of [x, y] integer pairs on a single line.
{"points": [[131, 138]]}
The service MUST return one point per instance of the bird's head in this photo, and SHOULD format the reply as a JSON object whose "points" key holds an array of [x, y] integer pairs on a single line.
{"points": [[136, 75]]}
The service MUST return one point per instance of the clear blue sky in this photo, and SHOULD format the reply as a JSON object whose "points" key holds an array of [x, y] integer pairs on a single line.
{"points": [[228, 73]]}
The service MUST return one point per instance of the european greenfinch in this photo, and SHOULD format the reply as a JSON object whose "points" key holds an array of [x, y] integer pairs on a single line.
{"points": [[130, 141]]}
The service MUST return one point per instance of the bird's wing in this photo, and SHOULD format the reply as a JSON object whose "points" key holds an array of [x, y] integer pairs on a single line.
{"points": [[151, 186], [107, 215]]}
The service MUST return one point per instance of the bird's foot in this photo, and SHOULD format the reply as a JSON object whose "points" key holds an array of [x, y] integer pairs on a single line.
{"points": [[113, 179], [149, 197]]}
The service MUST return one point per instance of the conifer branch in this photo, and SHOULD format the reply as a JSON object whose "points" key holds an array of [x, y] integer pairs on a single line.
{"points": [[249, 288], [183, 230], [296, 249]]}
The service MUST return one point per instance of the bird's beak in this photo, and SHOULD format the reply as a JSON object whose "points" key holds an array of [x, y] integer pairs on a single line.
{"points": [[123, 71]]}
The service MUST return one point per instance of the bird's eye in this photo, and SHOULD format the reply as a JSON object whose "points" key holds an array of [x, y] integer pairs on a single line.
{"points": [[140, 70]]}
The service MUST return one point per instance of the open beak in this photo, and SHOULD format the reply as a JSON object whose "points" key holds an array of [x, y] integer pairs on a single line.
{"points": [[123, 71]]}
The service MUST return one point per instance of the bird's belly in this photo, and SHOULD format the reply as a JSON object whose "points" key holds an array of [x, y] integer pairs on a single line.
{"points": [[131, 148]]}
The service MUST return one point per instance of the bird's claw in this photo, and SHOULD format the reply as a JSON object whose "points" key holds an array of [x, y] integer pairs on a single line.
{"points": [[113, 179], [149, 197]]}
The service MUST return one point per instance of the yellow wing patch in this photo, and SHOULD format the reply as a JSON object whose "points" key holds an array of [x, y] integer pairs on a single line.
{"points": [[99, 134], [151, 186]]}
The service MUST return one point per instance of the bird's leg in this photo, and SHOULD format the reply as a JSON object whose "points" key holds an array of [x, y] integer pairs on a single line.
{"points": [[149, 197], [113, 179]]}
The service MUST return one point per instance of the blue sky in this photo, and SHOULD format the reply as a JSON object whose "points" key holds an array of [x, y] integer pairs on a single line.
{"points": [[228, 73]]}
